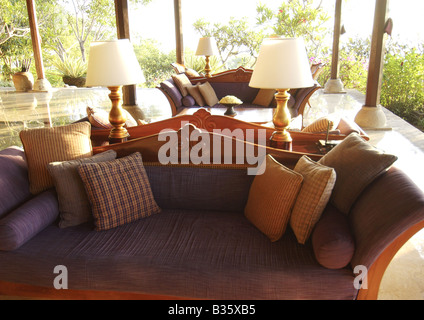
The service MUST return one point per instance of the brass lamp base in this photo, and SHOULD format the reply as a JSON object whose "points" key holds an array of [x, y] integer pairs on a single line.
{"points": [[117, 117], [281, 138], [207, 68]]}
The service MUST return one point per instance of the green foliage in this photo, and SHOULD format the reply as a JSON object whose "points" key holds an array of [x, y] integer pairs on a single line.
{"points": [[71, 67], [198, 63], [403, 83]]}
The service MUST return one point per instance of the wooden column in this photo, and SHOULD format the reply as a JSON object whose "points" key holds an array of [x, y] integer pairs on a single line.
{"points": [[371, 115], [129, 94], [179, 32], [335, 85], [41, 84]]}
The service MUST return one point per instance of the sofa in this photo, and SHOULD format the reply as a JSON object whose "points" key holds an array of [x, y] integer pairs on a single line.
{"points": [[197, 230], [183, 92]]}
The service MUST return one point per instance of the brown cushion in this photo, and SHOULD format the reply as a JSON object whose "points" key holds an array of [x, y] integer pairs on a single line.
{"points": [[318, 182], [194, 91], [74, 207], [332, 240], [357, 164], [118, 190], [271, 198], [264, 97], [181, 81], [46, 145], [208, 94]]}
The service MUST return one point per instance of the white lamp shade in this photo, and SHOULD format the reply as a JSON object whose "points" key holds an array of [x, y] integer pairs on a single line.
{"points": [[206, 47], [113, 63], [282, 64]]}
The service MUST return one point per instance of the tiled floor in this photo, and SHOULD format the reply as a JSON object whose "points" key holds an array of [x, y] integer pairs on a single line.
{"points": [[404, 279]]}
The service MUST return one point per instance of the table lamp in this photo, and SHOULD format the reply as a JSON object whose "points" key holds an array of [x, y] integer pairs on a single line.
{"points": [[113, 64], [206, 48], [282, 65]]}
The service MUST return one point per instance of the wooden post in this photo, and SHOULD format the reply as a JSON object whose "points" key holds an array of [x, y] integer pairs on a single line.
{"points": [[179, 32], [41, 84], [371, 115], [334, 84], [129, 94]]}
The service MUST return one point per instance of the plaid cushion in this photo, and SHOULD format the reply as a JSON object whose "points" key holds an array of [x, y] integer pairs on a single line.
{"points": [[118, 190], [271, 198], [318, 183]]}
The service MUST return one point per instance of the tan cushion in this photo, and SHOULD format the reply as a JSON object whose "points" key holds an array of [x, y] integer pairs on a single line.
{"points": [[46, 145], [357, 164], [318, 183], [321, 124], [181, 81], [264, 97], [119, 191], [74, 207], [208, 94], [194, 91], [271, 198]]}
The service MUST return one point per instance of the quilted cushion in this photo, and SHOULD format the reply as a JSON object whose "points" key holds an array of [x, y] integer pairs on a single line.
{"points": [[318, 183], [271, 198], [74, 206], [46, 145], [119, 191]]}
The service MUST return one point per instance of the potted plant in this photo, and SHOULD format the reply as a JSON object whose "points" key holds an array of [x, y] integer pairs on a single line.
{"points": [[72, 70], [23, 79]]}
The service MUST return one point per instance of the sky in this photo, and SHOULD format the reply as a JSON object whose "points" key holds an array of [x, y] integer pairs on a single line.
{"points": [[156, 20]]}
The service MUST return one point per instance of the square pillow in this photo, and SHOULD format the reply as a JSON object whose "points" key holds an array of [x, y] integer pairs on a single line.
{"points": [[271, 198], [181, 81], [118, 190], [194, 91], [46, 145], [208, 94], [74, 207], [318, 183], [357, 164], [264, 97]]}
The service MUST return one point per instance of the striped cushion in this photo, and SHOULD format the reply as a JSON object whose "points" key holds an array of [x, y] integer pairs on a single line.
{"points": [[119, 191], [271, 198], [74, 206], [46, 145], [318, 183], [322, 124]]}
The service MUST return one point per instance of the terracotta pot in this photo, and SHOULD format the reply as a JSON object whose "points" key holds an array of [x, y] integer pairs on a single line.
{"points": [[78, 82], [23, 81]]}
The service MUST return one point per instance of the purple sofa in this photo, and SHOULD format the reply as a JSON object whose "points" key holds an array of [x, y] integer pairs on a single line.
{"points": [[200, 245]]}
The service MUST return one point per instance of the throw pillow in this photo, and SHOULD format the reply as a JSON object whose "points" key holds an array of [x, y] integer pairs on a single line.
{"points": [[264, 97], [318, 182], [357, 164], [46, 145], [322, 125], [181, 81], [271, 198], [74, 207], [118, 190], [194, 91], [332, 240], [208, 94]]}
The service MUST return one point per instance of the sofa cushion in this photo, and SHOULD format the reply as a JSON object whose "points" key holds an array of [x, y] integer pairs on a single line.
{"points": [[46, 145], [74, 206], [318, 183], [14, 184], [181, 81], [239, 89], [208, 94], [27, 220], [174, 93], [188, 101], [323, 124], [357, 164], [264, 97], [194, 91], [271, 198], [332, 240], [118, 190]]}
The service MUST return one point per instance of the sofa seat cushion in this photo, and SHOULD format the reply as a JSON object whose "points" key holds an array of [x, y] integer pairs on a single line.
{"points": [[212, 255]]}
